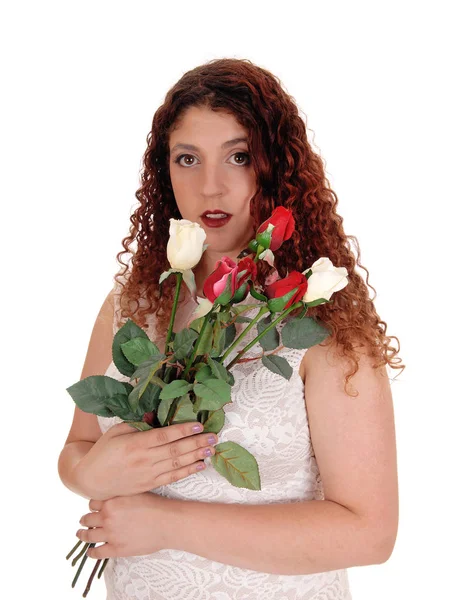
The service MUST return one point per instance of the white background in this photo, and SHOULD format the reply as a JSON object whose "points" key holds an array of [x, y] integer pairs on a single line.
{"points": [[81, 82]]}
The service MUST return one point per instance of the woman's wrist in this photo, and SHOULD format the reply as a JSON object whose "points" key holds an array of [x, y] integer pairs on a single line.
{"points": [[171, 515]]}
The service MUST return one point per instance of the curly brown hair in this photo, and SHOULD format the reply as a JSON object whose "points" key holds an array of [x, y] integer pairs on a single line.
{"points": [[288, 173]]}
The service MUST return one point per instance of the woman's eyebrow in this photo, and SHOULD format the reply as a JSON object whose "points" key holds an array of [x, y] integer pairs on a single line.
{"points": [[224, 145]]}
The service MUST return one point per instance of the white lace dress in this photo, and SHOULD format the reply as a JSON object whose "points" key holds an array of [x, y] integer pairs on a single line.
{"points": [[268, 417]]}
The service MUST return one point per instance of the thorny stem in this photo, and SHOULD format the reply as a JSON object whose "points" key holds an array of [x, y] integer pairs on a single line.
{"points": [[270, 326], [174, 309], [262, 312], [244, 360], [196, 346]]}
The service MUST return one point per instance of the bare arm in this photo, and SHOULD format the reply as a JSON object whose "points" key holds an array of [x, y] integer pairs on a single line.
{"points": [[124, 461], [356, 524], [85, 430]]}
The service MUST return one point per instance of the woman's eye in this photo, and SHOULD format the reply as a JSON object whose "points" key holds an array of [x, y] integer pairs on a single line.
{"points": [[187, 158], [244, 154], [179, 158]]}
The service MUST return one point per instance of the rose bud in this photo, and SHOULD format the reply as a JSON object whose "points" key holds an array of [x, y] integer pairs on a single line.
{"points": [[221, 283], [273, 232], [247, 270], [149, 418], [285, 292], [186, 244]]}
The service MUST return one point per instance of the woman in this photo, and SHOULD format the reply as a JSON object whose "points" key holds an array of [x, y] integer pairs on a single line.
{"points": [[228, 140]]}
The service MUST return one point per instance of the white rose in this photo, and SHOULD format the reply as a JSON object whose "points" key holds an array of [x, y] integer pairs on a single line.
{"points": [[185, 245], [325, 280]]}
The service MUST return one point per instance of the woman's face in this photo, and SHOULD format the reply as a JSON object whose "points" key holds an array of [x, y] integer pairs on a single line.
{"points": [[210, 171]]}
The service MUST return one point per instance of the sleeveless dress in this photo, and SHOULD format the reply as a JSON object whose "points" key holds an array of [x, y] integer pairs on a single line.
{"points": [[268, 417]]}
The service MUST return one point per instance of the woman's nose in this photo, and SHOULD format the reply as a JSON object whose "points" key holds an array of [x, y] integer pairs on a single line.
{"points": [[212, 182]]}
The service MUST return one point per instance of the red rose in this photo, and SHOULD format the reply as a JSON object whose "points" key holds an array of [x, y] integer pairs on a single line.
{"points": [[284, 226], [281, 287], [225, 277], [248, 265], [217, 281]]}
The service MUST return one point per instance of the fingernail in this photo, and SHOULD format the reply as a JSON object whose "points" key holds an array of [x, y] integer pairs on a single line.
{"points": [[197, 428], [211, 439]]}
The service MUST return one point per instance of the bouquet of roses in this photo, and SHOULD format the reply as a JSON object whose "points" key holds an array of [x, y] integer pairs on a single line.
{"points": [[191, 381]]}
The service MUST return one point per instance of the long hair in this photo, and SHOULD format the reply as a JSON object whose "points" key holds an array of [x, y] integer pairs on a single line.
{"points": [[288, 173]]}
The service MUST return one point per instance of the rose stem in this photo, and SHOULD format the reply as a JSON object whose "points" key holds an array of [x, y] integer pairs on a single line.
{"points": [[88, 585], [77, 558], [73, 549], [196, 346], [104, 564], [85, 557], [270, 326], [262, 312], [174, 309]]}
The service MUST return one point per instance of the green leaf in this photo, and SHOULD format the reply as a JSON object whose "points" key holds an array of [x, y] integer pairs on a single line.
{"points": [[243, 308], [230, 335], [214, 393], [183, 412], [119, 405], [203, 374], [91, 394], [215, 421], [278, 365], [236, 465], [224, 316], [175, 389], [243, 319], [150, 399], [140, 425], [149, 367], [164, 408], [127, 332], [183, 343], [218, 340], [303, 333], [270, 340], [205, 345], [197, 405], [197, 324], [128, 387], [138, 350], [147, 372], [219, 371]]}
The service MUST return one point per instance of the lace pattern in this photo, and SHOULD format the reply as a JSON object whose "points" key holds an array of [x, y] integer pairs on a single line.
{"points": [[268, 417]]}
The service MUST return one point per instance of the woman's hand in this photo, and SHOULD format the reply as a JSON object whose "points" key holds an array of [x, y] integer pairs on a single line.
{"points": [[129, 525], [125, 461]]}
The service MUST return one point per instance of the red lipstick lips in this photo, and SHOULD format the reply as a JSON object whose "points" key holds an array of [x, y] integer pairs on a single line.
{"points": [[215, 221]]}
